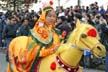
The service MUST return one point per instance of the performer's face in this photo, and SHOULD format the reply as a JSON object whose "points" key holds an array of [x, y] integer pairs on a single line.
{"points": [[50, 17]]}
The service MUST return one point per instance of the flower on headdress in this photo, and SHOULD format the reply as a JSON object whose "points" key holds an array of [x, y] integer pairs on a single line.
{"points": [[45, 36], [64, 33], [51, 2]]}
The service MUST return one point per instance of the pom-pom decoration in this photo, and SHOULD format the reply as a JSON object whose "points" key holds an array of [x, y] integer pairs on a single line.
{"points": [[92, 33], [51, 2], [53, 66]]}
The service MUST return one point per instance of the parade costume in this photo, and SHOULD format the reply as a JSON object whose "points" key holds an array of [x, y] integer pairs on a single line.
{"points": [[23, 58], [24, 52]]}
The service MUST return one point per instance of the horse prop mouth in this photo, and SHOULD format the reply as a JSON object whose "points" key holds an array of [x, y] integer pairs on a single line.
{"points": [[97, 55], [99, 51]]}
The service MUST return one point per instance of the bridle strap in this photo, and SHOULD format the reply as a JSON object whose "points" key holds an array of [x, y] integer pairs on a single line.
{"points": [[74, 46], [88, 45], [82, 49]]}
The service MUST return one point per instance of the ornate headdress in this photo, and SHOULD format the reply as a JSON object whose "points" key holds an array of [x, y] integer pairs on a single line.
{"points": [[46, 7], [40, 32]]}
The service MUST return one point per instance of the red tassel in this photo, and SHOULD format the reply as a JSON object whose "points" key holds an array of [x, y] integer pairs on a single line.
{"points": [[53, 66]]}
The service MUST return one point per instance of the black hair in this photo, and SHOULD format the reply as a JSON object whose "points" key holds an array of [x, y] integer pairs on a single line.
{"points": [[88, 15], [25, 19], [47, 12], [46, 8], [78, 15], [12, 17], [98, 17], [63, 18]]}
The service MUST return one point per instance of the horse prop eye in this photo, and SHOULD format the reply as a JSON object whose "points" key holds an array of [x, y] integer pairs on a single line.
{"points": [[83, 35]]}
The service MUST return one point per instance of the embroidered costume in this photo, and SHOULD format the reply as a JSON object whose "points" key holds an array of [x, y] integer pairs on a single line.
{"points": [[24, 51]]}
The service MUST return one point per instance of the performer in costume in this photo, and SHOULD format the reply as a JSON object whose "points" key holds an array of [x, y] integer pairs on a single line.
{"points": [[45, 33], [24, 52]]}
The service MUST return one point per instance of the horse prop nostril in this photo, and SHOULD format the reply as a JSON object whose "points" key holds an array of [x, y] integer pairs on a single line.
{"points": [[99, 48]]}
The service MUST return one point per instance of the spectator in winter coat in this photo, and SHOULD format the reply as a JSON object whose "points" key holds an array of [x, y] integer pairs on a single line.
{"points": [[10, 31], [104, 40], [24, 29]]}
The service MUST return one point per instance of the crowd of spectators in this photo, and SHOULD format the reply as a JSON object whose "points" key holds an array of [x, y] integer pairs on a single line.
{"points": [[13, 24]]}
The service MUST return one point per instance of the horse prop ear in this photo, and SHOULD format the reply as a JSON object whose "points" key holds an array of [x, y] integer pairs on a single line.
{"points": [[78, 23]]}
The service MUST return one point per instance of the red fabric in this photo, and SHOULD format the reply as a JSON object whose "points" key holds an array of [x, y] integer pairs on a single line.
{"points": [[23, 61], [37, 65], [16, 63]]}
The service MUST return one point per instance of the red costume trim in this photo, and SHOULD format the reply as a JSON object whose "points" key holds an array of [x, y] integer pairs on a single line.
{"points": [[36, 69]]}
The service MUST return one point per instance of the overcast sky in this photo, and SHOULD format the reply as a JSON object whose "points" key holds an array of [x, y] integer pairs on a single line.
{"points": [[73, 3]]}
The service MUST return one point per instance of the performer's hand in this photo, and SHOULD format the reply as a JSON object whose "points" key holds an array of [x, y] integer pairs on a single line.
{"points": [[56, 47]]}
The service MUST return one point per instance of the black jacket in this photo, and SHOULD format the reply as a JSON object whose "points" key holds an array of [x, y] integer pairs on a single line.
{"points": [[104, 35], [23, 30], [10, 31]]}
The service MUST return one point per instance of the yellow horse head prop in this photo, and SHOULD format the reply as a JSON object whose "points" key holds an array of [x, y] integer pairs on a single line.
{"points": [[85, 37]]}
